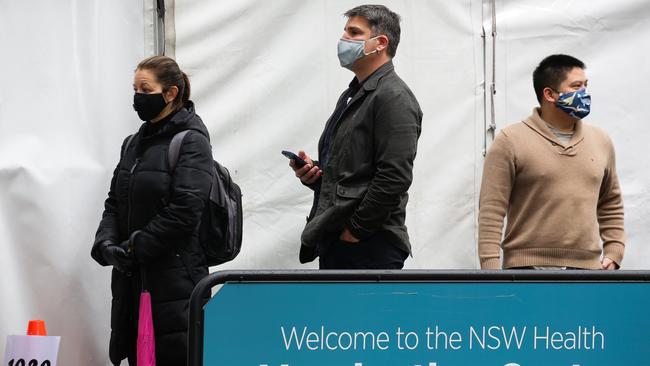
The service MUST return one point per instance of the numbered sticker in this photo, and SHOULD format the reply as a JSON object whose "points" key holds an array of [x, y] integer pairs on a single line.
{"points": [[21, 362], [31, 350]]}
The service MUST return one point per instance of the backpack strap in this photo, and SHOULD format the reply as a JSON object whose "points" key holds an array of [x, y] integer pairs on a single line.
{"points": [[175, 149], [128, 143]]}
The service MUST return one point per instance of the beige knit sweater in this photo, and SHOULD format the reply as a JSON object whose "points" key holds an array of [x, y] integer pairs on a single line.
{"points": [[560, 201]]}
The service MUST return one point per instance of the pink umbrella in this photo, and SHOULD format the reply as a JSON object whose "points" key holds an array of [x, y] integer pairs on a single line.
{"points": [[146, 340]]}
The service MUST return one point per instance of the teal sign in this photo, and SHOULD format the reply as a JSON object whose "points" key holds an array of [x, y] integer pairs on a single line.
{"points": [[428, 324]]}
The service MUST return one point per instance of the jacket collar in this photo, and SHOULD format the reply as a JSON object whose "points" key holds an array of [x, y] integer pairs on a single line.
{"points": [[183, 119], [537, 124], [371, 82]]}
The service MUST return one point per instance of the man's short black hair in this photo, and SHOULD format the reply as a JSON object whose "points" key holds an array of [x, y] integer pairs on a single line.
{"points": [[552, 71], [381, 21]]}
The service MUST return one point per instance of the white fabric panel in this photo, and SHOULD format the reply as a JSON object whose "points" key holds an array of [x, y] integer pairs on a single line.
{"points": [[613, 40], [65, 106], [265, 77]]}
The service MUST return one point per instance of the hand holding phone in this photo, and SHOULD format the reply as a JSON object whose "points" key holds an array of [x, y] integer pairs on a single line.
{"points": [[299, 163], [303, 167]]}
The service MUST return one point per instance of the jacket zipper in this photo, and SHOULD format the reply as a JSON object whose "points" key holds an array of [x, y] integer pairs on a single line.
{"points": [[137, 161]]}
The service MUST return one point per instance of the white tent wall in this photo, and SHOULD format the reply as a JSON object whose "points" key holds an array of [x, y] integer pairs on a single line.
{"points": [[265, 77], [65, 107]]}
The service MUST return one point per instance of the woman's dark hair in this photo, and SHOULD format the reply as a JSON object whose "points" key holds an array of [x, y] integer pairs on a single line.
{"points": [[168, 74]]}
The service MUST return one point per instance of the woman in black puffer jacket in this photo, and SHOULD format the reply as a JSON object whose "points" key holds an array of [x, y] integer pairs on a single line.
{"points": [[149, 229]]}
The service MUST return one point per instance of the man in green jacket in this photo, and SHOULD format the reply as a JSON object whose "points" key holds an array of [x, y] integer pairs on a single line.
{"points": [[366, 155]]}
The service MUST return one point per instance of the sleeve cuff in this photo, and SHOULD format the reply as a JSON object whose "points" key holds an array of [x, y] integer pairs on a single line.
{"points": [[96, 251], [491, 263], [357, 231], [614, 251], [146, 246]]}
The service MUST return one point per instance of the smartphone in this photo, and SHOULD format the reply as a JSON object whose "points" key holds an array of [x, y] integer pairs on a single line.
{"points": [[296, 159]]}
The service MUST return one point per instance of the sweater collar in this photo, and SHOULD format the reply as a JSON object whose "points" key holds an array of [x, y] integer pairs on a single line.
{"points": [[536, 123]]}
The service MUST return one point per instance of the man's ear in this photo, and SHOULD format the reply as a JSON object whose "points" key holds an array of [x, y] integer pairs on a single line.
{"points": [[171, 94], [382, 42], [548, 95]]}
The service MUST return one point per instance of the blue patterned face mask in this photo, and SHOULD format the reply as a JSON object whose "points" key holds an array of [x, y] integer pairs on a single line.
{"points": [[577, 104]]}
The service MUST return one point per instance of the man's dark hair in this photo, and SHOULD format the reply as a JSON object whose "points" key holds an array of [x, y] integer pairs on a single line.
{"points": [[381, 21], [552, 71]]}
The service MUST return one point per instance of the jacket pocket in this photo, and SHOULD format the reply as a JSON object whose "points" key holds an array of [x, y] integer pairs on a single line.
{"points": [[350, 193]]}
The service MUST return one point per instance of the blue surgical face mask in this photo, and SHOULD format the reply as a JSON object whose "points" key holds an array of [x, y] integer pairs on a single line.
{"points": [[577, 104], [351, 50]]}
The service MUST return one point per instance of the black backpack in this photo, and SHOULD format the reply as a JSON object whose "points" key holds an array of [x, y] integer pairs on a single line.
{"points": [[220, 230]]}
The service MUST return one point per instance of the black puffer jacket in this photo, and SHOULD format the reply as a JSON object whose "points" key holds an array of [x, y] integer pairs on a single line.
{"points": [[158, 212]]}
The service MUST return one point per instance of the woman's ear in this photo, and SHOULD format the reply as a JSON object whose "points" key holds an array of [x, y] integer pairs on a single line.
{"points": [[171, 94]]}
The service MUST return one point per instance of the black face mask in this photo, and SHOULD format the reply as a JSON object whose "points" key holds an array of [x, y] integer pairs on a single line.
{"points": [[148, 106]]}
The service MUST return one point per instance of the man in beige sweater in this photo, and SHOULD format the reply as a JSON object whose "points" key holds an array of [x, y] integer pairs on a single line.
{"points": [[554, 177]]}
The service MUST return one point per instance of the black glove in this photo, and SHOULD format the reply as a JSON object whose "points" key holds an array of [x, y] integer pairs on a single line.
{"points": [[117, 256]]}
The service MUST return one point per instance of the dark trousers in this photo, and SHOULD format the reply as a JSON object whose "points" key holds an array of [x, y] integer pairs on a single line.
{"points": [[374, 252]]}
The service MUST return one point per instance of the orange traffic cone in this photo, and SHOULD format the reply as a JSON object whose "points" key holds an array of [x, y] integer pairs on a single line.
{"points": [[36, 328]]}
